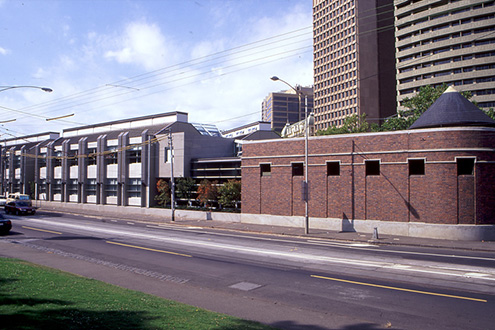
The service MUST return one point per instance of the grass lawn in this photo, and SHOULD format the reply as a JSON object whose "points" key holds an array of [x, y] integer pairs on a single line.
{"points": [[37, 297]]}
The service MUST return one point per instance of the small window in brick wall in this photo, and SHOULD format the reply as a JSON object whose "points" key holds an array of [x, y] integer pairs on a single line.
{"points": [[416, 167], [333, 168], [372, 167], [265, 169], [465, 166], [297, 169]]}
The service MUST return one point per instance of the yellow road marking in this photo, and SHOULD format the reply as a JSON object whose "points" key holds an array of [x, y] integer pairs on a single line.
{"points": [[398, 289], [46, 231], [148, 249]]}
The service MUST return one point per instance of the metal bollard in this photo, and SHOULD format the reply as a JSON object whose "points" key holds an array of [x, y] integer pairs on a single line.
{"points": [[375, 233]]}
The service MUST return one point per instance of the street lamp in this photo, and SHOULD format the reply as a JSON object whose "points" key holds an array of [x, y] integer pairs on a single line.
{"points": [[306, 182], [172, 179], [60, 117], [44, 89], [4, 88]]}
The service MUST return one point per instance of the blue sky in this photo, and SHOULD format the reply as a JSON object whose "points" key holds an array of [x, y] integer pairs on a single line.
{"points": [[115, 59]]}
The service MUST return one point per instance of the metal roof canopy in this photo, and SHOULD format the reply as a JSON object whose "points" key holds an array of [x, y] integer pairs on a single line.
{"points": [[452, 109]]}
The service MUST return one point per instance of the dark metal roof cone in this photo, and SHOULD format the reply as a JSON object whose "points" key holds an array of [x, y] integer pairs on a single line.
{"points": [[452, 109]]}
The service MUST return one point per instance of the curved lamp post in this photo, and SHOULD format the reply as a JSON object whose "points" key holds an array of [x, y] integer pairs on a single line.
{"points": [[305, 183], [4, 88], [60, 117], [44, 89]]}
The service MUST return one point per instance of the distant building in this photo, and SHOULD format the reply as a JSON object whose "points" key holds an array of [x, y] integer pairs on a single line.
{"points": [[247, 129], [258, 130], [281, 108], [299, 129], [453, 42], [354, 60]]}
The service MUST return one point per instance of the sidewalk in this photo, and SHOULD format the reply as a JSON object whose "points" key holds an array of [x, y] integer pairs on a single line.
{"points": [[488, 246], [339, 236]]}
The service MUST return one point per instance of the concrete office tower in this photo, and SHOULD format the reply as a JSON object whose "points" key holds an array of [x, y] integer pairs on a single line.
{"points": [[446, 41], [283, 107], [354, 70]]}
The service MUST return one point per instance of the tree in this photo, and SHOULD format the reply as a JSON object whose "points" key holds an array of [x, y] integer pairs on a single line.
{"points": [[352, 124], [184, 188], [491, 113], [207, 192], [229, 193], [163, 196]]}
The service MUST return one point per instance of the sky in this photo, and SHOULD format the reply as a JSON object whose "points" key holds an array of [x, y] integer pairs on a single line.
{"points": [[108, 60]]}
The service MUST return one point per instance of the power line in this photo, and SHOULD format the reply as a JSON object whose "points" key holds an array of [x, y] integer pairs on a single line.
{"points": [[140, 80]]}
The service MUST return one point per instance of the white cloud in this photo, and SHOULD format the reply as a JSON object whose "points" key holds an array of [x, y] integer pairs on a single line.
{"points": [[216, 89], [142, 44], [4, 51]]}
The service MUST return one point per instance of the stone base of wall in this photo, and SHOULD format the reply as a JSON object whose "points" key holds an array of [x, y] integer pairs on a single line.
{"points": [[138, 213], [411, 229]]}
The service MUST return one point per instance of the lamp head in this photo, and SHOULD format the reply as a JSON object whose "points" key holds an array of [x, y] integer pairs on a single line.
{"points": [[46, 89], [275, 78]]}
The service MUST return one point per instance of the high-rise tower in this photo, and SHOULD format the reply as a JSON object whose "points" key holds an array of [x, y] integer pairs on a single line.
{"points": [[446, 41], [354, 62]]}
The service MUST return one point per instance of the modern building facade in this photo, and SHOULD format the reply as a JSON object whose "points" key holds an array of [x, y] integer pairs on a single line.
{"points": [[286, 107], [420, 182], [446, 41], [354, 62], [16, 170], [114, 163]]}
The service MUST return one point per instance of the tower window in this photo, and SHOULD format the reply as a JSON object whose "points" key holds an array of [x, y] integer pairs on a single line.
{"points": [[465, 166], [333, 168], [265, 169], [416, 166], [372, 167], [297, 169]]}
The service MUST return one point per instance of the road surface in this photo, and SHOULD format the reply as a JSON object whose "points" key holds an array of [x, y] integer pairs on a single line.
{"points": [[287, 282]]}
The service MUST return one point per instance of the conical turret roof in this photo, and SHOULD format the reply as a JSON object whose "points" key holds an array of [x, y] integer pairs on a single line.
{"points": [[452, 109]]}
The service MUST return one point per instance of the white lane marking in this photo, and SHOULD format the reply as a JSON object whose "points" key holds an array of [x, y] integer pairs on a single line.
{"points": [[302, 257], [404, 252], [271, 239], [174, 227], [350, 244]]}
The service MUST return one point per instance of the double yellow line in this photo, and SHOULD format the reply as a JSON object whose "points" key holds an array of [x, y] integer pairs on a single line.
{"points": [[398, 289]]}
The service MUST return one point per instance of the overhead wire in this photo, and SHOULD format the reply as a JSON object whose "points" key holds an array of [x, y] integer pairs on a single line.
{"points": [[154, 74], [157, 75], [139, 81], [175, 79]]}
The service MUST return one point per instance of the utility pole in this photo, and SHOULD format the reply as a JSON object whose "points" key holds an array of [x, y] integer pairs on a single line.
{"points": [[172, 180], [305, 183]]}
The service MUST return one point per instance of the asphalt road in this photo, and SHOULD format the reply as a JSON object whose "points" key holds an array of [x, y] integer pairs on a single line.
{"points": [[291, 283]]}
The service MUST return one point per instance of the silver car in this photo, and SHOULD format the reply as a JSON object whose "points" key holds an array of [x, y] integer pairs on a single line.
{"points": [[3, 200]]}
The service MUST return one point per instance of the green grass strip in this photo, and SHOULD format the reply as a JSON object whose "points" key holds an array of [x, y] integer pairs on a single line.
{"points": [[37, 297]]}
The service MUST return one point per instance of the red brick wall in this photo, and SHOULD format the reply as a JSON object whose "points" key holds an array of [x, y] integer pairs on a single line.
{"points": [[438, 196]]}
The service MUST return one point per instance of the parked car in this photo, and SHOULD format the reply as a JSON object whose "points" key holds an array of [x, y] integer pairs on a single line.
{"points": [[17, 196], [19, 207], [5, 225], [3, 200]]}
